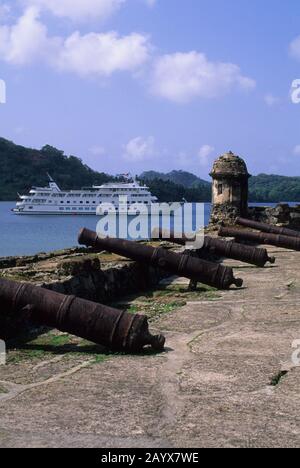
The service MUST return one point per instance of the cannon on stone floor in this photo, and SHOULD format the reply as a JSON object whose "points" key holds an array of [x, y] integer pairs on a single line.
{"points": [[228, 249], [277, 240], [171, 236], [112, 328], [269, 228], [195, 269]]}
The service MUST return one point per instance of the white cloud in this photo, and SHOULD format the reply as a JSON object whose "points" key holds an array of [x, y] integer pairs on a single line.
{"points": [[187, 159], [181, 77], [271, 100], [90, 54], [295, 48], [27, 40], [140, 149], [204, 155], [183, 159], [102, 54], [78, 10], [150, 3], [81, 10], [296, 150]]}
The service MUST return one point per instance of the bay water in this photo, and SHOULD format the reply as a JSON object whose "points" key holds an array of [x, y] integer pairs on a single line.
{"points": [[29, 234]]}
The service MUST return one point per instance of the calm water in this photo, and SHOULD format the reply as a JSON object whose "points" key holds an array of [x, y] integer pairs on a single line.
{"points": [[28, 235]]}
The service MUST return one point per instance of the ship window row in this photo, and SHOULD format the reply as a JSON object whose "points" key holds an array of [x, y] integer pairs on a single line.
{"points": [[43, 201], [93, 195], [134, 189], [77, 209], [81, 202]]}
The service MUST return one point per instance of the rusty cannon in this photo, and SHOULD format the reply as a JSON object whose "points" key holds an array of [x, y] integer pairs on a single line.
{"points": [[264, 227], [228, 249], [171, 236], [114, 329], [285, 242], [197, 270]]}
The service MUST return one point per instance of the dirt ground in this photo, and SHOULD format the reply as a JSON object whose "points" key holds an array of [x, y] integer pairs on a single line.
{"points": [[226, 379]]}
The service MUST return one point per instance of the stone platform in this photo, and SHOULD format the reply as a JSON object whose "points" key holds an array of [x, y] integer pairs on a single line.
{"points": [[226, 378]]}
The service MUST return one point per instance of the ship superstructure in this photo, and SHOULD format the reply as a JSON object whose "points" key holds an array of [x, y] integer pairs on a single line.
{"points": [[51, 200]]}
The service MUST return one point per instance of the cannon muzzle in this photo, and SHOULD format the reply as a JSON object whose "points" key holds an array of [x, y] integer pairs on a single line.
{"points": [[112, 328], [269, 228], [195, 269], [234, 250]]}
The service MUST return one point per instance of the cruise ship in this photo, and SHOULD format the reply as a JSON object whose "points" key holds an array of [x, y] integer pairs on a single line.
{"points": [[122, 197]]}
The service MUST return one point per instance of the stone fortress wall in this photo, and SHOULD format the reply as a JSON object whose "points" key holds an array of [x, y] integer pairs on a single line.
{"points": [[283, 215], [230, 197]]}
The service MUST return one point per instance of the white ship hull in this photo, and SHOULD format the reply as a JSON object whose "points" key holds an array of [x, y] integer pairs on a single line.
{"points": [[116, 197], [122, 199], [49, 212]]}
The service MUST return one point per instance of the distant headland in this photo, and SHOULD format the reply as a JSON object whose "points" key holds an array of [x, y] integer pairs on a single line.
{"points": [[23, 167]]}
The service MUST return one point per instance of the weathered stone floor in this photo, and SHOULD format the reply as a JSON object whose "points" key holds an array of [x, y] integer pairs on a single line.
{"points": [[225, 380]]}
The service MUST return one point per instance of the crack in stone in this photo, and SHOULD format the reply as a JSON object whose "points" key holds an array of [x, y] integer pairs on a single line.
{"points": [[15, 390]]}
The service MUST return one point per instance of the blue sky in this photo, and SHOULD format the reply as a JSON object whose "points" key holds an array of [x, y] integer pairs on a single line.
{"points": [[133, 85]]}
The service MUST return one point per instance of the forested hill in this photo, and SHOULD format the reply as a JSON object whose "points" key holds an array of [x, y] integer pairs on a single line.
{"points": [[21, 168], [184, 178], [262, 188], [274, 188], [177, 185]]}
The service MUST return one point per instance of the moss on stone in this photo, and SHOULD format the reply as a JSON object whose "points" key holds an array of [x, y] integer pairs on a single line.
{"points": [[78, 266]]}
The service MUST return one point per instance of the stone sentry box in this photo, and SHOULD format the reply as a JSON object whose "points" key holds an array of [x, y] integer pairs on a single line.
{"points": [[230, 197], [229, 189]]}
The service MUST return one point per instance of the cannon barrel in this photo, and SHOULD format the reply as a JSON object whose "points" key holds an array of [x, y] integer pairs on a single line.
{"points": [[261, 238], [264, 227], [112, 328], [243, 253], [171, 236], [195, 269]]}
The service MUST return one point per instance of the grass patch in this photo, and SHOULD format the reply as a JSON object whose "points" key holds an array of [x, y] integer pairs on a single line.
{"points": [[165, 299], [53, 343], [53, 339], [100, 358], [18, 276], [17, 356], [132, 308]]}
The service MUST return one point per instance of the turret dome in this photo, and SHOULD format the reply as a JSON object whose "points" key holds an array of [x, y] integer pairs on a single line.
{"points": [[230, 165]]}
